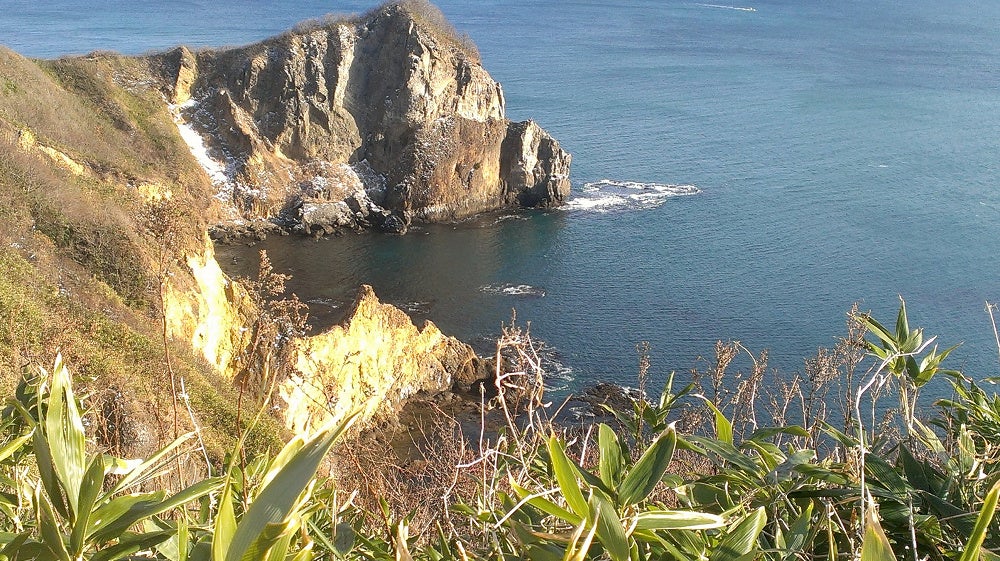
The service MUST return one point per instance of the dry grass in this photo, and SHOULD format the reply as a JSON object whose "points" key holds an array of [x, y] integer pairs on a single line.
{"points": [[430, 17], [79, 251]]}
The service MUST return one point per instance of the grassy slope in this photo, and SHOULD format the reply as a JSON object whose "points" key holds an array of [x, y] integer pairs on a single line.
{"points": [[80, 254]]}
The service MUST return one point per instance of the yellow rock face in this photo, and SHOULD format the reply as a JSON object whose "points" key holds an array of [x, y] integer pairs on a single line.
{"points": [[376, 359], [206, 314]]}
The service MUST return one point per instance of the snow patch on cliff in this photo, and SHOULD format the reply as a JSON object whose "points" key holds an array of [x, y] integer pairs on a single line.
{"points": [[222, 173]]}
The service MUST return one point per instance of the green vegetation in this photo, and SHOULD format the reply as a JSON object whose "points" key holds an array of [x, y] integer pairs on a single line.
{"points": [[639, 488]]}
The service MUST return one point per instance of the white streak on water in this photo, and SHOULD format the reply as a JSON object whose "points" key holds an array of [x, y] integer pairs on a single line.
{"points": [[740, 8]]}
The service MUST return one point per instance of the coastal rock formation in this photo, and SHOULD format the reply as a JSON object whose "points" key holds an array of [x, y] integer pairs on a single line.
{"points": [[364, 123], [375, 359], [369, 122]]}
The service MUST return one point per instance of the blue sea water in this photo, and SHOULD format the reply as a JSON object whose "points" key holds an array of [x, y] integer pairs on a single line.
{"points": [[839, 152]]}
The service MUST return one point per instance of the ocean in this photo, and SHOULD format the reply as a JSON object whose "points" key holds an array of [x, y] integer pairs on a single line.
{"points": [[740, 172]]}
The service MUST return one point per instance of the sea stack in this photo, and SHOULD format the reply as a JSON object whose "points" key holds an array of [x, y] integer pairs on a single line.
{"points": [[371, 122]]}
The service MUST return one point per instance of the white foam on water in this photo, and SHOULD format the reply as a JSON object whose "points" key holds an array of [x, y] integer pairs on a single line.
{"points": [[508, 217], [740, 8], [511, 289], [415, 307], [608, 195], [328, 302]]}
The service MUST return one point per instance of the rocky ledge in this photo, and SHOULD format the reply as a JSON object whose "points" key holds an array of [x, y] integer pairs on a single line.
{"points": [[364, 123]]}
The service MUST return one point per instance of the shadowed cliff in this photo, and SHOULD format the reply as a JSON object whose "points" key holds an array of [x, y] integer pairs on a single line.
{"points": [[369, 122]]}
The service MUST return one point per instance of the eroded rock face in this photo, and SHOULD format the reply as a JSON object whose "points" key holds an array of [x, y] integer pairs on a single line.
{"points": [[388, 95], [376, 359]]}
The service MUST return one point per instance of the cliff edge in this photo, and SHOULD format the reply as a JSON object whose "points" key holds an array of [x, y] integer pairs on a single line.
{"points": [[369, 122]]}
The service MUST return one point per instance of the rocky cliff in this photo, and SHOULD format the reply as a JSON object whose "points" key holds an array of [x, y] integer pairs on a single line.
{"points": [[366, 122], [376, 359]]}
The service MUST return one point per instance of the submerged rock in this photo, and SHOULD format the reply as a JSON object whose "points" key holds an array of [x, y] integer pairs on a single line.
{"points": [[394, 102]]}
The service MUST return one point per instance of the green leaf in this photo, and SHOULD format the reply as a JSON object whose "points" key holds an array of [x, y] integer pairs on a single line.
{"points": [[130, 544], [47, 474], [225, 523], [885, 476], [875, 546], [794, 540], [65, 435], [273, 541], [887, 338], [565, 471], [647, 472], [176, 548], [767, 433], [723, 426], [677, 520], [145, 509], [974, 545], [93, 482], [609, 527], [545, 505], [109, 513], [611, 462], [741, 539], [49, 528], [728, 453], [902, 325], [13, 446], [144, 471], [275, 502]]}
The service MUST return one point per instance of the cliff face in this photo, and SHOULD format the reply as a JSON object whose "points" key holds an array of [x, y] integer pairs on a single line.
{"points": [[367, 123], [375, 359]]}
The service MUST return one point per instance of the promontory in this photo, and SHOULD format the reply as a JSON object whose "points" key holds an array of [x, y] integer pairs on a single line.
{"points": [[113, 168]]}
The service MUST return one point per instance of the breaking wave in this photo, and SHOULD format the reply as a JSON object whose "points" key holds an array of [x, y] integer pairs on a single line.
{"points": [[511, 289], [608, 195]]}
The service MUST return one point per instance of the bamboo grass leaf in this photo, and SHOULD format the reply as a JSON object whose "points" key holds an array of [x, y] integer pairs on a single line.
{"points": [[875, 545], [108, 513], [974, 546], [225, 524], [723, 426], [93, 482], [545, 505], [13, 446], [902, 324], [609, 527], [49, 527], [276, 501], [156, 505], [131, 544], [47, 474], [741, 538], [566, 475], [647, 472], [611, 462], [145, 470], [65, 435], [677, 520]]}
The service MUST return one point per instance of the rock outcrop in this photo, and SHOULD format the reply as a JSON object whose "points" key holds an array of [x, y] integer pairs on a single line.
{"points": [[376, 359], [371, 122]]}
